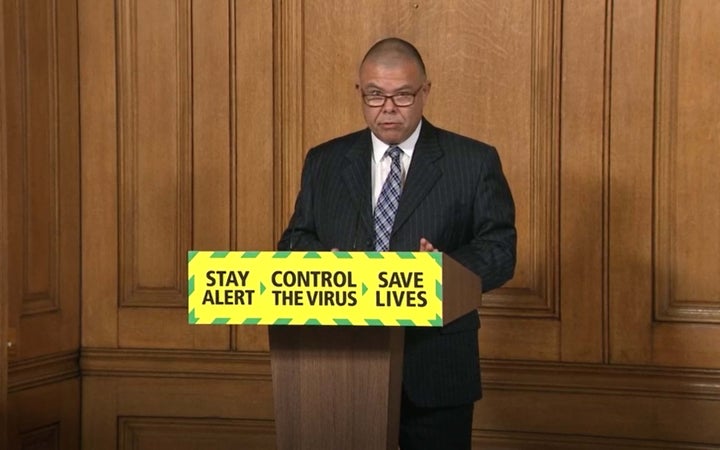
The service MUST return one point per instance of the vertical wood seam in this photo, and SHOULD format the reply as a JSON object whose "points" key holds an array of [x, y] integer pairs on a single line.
{"points": [[606, 146], [288, 143]]}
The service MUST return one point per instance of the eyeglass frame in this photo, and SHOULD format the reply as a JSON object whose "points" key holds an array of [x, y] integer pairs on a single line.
{"points": [[391, 97]]}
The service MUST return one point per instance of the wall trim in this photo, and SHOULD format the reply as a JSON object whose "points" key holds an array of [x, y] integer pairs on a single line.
{"points": [[516, 440], [203, 364], [543, 377], [600, 379], [33, 372]]}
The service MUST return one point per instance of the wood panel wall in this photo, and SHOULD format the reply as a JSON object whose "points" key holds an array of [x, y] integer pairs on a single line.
{"points": [[4, 257], [152, 127], [177, 107], [41, 226]]}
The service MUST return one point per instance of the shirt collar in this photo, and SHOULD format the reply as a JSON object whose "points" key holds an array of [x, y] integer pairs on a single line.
{"points": [[407, 146]]}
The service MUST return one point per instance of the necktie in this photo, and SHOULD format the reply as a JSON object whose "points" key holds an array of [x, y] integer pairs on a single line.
{"points": [[387, 203]]}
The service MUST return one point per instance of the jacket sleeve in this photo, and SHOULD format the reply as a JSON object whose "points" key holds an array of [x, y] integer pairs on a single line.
{"points": [[301, 233], [492, 251]]}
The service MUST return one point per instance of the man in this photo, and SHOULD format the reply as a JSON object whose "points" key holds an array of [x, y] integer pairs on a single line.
{"points": [[453, 197]]}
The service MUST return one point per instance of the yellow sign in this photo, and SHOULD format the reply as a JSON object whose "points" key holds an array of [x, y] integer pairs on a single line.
{"points": [[315, 288]]}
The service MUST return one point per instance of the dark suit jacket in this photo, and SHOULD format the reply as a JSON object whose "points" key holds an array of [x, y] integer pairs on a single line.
{"points": [[456, 196]]}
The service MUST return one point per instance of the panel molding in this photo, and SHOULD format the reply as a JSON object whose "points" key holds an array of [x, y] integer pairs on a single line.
{"points": [[289, 151], [667, 306], [537, 376], [600, 379], [33, 372], [46, 438], [208, 432], [39, 163], [132, 292], [589, 405], [541, 298], [177, 395], [498, 440], [4, 222], [181, 363]]}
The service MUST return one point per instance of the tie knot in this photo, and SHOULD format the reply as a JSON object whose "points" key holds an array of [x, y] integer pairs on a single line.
{"points": [[394, 152]]}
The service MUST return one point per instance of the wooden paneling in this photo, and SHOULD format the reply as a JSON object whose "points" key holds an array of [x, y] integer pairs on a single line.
{"points": [[195, 152], [45, 417], [630, 216], [619, 416], [183, 434], [213, 148], [5, 339], [664, 207], [154, 129], [252, 92], [40, 230], [289, 100], [142, 394], [47, 437], [96, 20], [549, 441], [43, 177], [583, 180], [177, 154], [686, 158], [196, 117], [255, 155], [661, 406], [35, 234]]}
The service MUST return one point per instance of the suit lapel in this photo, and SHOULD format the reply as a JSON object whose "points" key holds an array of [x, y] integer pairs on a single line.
{"points": [[422, 175], [356, 175]]}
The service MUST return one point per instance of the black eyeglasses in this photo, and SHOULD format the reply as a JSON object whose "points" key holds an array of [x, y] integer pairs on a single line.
{"points": [[401, 99]]}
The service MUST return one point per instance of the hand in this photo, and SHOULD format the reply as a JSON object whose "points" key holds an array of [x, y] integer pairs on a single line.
{"points": [[426, 246]]}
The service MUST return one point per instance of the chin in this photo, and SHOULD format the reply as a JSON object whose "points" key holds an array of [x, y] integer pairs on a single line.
{"points": [[390, 138]]}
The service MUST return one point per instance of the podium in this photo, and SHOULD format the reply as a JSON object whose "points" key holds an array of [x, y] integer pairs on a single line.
{"points": [[337, 327], [339, 387]]}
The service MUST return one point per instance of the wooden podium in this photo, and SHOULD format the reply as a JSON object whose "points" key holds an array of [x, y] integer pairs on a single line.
{"points": [[339, 387]]}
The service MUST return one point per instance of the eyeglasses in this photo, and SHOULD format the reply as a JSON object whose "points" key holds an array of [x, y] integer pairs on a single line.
{"points": [[401, 99]]}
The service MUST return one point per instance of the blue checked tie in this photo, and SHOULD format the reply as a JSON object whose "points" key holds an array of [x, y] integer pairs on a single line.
{"points": [[387, 203]]}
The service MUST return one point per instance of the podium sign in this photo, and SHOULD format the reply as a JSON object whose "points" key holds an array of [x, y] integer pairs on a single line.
{"points": [[348, 375], [315, 288]]}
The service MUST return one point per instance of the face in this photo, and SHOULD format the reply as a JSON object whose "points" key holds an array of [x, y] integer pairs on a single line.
{"points": [[393, 124]]}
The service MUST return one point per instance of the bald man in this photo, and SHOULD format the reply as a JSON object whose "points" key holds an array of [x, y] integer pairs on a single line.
{"points": [[453, 197]]}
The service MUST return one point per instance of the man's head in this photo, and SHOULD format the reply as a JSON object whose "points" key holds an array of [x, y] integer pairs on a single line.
{"points": [[393, 67]]}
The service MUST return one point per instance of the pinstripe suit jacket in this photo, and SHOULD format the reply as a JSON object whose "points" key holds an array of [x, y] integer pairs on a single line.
{"points": [[456, 196]]}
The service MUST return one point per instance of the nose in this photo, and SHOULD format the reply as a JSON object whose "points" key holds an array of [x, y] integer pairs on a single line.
{"points": [[389, 105]]}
